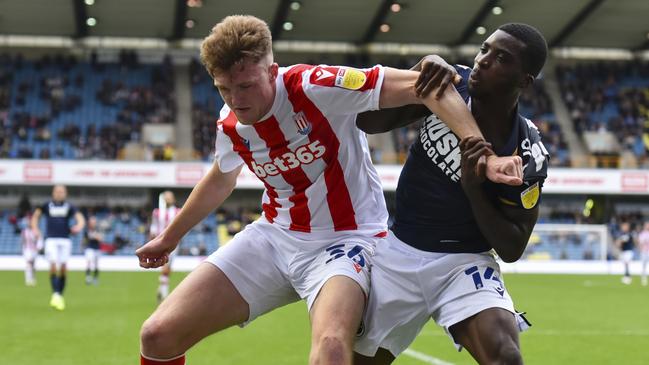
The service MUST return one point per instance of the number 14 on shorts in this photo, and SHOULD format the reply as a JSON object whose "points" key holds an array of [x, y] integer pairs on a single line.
{"points": [[488, 274]]}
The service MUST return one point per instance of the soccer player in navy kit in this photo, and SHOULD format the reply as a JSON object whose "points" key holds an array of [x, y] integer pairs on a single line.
{"points": [[437, 261], [58, 246]]}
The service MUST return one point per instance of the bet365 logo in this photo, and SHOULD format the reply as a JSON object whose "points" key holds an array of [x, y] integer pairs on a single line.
{"points": [[304, 154]]}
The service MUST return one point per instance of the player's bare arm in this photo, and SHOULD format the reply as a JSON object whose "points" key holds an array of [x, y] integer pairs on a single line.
{"points": [[506, 228], [206, 196], [34, 222], [81, 223], [399, 88]]}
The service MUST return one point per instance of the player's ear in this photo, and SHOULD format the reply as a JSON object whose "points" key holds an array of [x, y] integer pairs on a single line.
{"points": [[273, 70], [526, 81]]}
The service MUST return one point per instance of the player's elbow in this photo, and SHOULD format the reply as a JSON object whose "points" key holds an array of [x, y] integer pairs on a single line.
{"points": [[509, 257], [366, 125], [513, 253]]}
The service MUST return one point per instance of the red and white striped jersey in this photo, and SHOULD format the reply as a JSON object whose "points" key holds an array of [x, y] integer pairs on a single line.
{"points": [[161, 219], [313, 160], [29, 239]]}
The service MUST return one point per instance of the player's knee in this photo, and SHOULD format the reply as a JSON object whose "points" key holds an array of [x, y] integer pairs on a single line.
{"points": [[509, 354], [153, 335], [333, 348]]}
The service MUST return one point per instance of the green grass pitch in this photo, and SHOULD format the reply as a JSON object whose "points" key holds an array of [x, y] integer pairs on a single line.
{"points": [[576, 319]]}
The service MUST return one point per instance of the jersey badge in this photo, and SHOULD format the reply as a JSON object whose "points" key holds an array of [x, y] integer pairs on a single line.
{"points": [[303, 124], [350, 78], [530, 196]]}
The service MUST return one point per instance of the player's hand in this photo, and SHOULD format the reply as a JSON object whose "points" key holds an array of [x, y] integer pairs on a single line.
{"points": [[505, 170], [75, 229], [473, 161], [37, 234], [435, 73], [155, 253]]}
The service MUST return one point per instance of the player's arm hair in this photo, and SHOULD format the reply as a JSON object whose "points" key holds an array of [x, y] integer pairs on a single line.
{"points": [[506, 228], [207, 195], [398, 89]]}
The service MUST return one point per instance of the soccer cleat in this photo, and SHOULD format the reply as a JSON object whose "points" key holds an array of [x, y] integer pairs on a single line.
{"points": [[30, 282], [61, 303], [644, 281], [88, 280], [626, 280], [54, 300]]}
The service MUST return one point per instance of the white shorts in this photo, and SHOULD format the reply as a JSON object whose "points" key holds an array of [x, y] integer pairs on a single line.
{"points": [[29, 254], [58, 250], [92, 254], [271, 267], [409, 286], [627, 256]]}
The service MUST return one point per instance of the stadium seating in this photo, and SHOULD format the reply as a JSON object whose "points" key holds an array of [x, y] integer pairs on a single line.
{"points": [[609, 97], [206, 104], [64, 109]]}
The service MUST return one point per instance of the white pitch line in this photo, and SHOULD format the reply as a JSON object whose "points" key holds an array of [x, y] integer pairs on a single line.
{"points": [[425, 358]]}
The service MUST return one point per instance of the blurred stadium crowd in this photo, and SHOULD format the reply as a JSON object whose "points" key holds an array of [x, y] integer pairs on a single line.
{"points": [[589, 113]]}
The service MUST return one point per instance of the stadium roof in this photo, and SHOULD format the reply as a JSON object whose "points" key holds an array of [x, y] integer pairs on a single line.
{"points": [[619, 24]]}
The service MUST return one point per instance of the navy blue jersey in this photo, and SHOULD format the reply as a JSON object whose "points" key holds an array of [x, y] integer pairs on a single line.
{"points": [[627, 241], [432, 211], [58, 217], [91, 239]]}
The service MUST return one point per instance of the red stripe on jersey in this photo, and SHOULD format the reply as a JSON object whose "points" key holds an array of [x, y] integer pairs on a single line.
{"points": [[381, 234], [230, 129], [270, 132], [338, 198]]}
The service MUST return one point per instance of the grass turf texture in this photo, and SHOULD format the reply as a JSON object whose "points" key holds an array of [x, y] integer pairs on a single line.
{"points": [[576, 319]]}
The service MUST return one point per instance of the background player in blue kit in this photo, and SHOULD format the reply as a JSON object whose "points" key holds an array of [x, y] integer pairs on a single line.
{"points": [[437, 260], [58, 246]]}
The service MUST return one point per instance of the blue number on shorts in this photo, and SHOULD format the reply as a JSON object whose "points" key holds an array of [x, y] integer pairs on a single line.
{"points": [[477, 280], [473, 271], [355, 253], [335, 252]]}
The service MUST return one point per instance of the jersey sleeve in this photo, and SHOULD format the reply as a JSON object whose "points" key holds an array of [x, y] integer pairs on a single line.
{"points": [[224, 153], [344, 90], [72, 211], [535, 170], [45, 209]]}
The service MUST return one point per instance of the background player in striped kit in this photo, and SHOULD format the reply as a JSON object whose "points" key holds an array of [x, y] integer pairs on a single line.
{"points": [[161, 218], [323, 204], [58, 246], [31, 244]]}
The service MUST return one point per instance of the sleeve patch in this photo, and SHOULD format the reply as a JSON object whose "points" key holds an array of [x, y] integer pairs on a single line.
{"points": [[349, 78], [530, 196]]}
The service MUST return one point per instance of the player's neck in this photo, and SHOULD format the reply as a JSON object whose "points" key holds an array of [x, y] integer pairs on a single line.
{"points": [[495, 118]]}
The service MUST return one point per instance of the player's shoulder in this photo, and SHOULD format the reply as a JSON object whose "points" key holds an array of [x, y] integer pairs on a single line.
{"points": [[327, 76]]}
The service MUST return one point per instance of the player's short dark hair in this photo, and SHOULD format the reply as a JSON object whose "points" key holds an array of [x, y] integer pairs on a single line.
{"points": [[536, 50]]}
